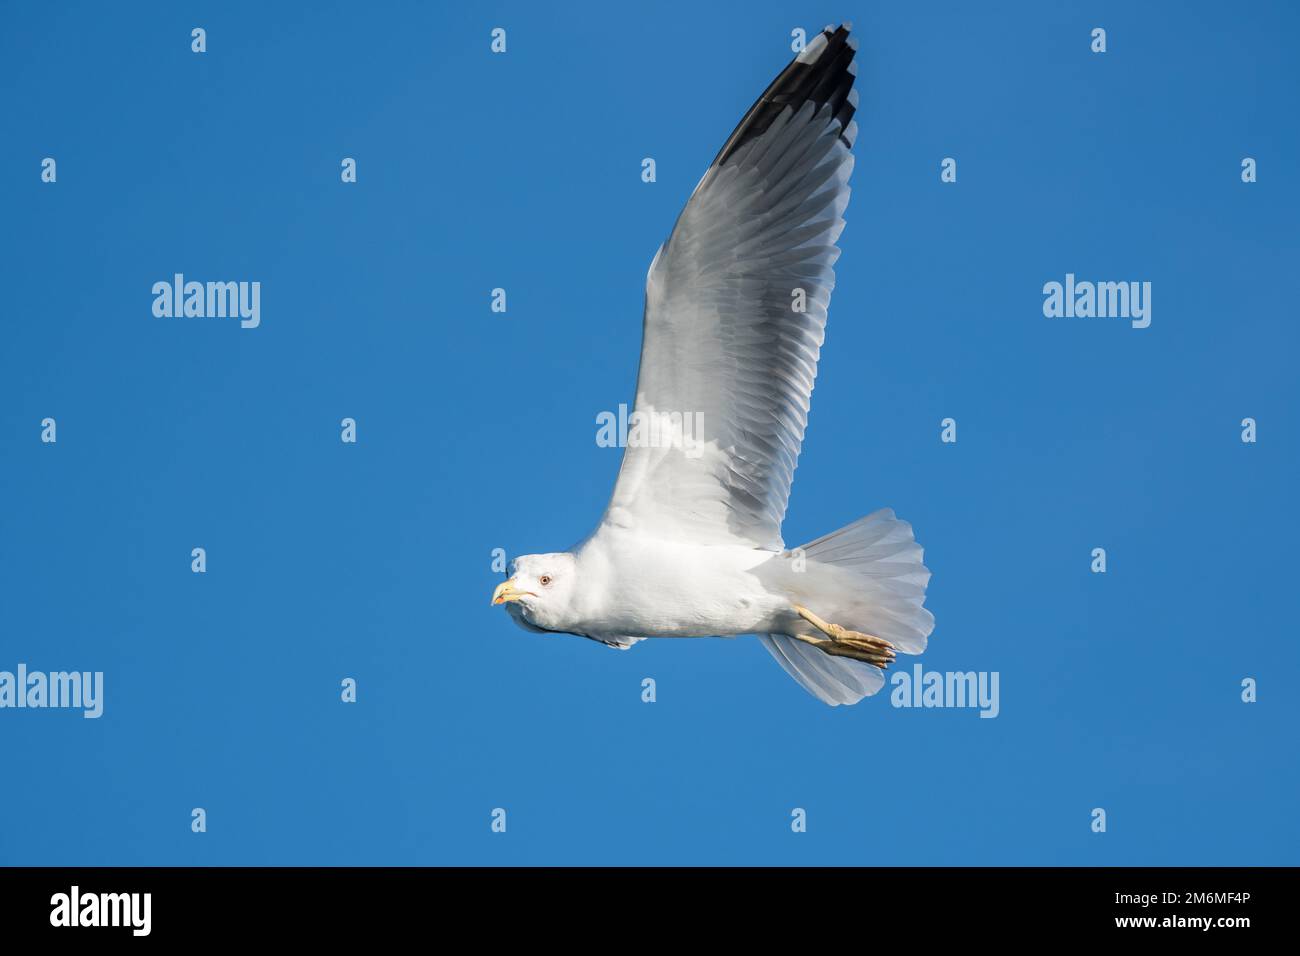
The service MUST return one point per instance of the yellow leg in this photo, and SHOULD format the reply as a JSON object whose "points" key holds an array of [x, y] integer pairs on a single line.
{"points": [[841, 642]]}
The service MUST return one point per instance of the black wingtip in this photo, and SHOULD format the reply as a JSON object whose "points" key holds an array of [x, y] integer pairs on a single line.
{"points": [[823, 73]]}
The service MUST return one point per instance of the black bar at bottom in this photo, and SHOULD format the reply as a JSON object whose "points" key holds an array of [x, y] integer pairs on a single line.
{"points": [[374, 904]]}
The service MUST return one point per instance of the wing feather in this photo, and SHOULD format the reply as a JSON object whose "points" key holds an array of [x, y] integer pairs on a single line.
{"points": [[725, 354]]}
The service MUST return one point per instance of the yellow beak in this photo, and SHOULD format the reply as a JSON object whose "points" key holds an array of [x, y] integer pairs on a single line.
{"points": [[506, 591]]}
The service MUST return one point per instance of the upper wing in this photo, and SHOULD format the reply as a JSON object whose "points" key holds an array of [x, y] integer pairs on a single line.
{"points": [[728, 360]]}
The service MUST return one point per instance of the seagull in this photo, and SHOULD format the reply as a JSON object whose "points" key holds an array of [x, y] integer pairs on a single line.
{"points": [[735, 312]]}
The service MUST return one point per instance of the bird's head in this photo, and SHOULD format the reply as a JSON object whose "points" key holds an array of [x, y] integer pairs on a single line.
{"points": [[538, 591]]}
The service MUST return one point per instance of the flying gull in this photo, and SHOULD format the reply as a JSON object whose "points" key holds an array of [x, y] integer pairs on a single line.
{"points": [[690, 544]]}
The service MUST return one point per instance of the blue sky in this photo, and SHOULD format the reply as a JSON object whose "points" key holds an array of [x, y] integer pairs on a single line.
{"points": [[476, 431]]}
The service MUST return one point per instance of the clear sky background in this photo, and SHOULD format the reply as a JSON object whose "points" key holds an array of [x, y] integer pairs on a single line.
{"points": [[477, 431]]}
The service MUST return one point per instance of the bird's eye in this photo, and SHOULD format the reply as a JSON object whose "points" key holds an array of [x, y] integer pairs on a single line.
{"points": [[545, 579]]}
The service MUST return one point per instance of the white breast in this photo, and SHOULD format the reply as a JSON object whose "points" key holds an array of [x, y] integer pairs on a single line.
{"points": [[648, 587]]}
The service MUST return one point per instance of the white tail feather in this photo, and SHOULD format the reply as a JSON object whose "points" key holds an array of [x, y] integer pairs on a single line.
{"points": [[867, 576]]}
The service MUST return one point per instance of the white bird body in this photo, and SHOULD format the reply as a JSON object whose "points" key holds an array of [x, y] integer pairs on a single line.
{"points": [[654, 588], [736, 302]]}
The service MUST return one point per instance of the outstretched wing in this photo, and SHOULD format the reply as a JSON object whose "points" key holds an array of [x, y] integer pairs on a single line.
{"points": [[735, 315]]}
